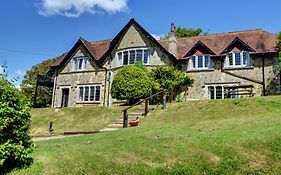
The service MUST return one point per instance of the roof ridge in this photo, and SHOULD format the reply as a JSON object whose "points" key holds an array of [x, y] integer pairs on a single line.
{"points": [[214, 34], [100, 41]]}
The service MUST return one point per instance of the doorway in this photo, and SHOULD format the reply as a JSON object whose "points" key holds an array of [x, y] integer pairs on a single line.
{"points": [[65, 97]]}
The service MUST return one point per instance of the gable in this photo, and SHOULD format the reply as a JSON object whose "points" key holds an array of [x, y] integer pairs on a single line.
{"points": [[133, 38], [238, 45], [199, 49], [79, 52]]}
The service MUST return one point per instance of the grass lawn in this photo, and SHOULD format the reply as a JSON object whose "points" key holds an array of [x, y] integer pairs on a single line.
{"points": [[73, 119], [239, 136]]}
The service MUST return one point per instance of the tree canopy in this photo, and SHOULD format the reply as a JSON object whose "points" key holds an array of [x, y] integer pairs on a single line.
{"points": [[169, 78], [15, 143], [188, 31], [131, 83], [29, 83]]}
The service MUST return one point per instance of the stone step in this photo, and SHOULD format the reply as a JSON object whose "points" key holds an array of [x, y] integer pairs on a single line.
{"points": [[115, 125], [135, 114]]}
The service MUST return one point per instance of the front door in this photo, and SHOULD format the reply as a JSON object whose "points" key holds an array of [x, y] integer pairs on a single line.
{"points": [[65, 97]]}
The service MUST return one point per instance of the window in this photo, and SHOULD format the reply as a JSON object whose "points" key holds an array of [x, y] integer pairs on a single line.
{"points": [[216, 92], [199, 62], [238, 59], [130, 56], [79, 63], [89, 94], [222, 92], [125, 58]]}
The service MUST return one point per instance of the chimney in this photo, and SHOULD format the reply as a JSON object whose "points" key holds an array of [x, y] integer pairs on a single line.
{"points": [[172, 40]]}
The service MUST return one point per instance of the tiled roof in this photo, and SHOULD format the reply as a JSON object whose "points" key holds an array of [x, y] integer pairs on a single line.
{"points": [[261, 41]]}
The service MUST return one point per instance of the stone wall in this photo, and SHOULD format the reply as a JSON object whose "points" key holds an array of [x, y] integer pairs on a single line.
{"points": [[253, 76], [67, 78]]}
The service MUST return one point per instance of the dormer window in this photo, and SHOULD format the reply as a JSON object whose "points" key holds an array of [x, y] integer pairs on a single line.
{"points": [[237, 59], [131, 56], [79, 63], [197, 62]]}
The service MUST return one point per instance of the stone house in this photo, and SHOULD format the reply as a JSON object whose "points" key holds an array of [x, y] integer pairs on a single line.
{"points": [[226, 65]]}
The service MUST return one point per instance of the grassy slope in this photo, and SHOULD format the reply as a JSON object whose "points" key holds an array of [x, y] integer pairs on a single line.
{"points": [[240, 136], [73, 119]]}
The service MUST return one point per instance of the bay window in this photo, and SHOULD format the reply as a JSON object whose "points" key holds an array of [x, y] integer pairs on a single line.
{"points": [[131, 56]]}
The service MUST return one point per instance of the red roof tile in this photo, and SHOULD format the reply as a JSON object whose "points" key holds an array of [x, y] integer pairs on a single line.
{"points": [[261, 41]]}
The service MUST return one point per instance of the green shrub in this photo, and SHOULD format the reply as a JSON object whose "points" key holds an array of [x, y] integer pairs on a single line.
{"points": [[131, 83], [15, 143], [169, 79]]}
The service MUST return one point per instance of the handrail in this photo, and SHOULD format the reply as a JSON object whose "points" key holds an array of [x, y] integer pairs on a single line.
{"points": [[143, 100], [146, 110]]}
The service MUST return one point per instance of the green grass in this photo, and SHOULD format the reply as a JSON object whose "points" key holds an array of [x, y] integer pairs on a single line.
{"points": [[240, 136], [73, 119]]}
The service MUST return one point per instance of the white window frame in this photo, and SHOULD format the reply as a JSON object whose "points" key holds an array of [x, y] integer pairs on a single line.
{"points": [[215, 92], [75, 63], [247, 62], [120, 56], [191, 65], [89, 94]]}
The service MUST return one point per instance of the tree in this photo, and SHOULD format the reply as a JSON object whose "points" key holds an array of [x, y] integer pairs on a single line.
{"points": [[279, 47], [169, 79], [131, 83], [28, 85], [15, 143], [187, 32]]}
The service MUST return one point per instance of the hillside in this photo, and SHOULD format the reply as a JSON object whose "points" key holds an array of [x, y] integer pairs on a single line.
{"points": [[235, 136], [72, 119]]}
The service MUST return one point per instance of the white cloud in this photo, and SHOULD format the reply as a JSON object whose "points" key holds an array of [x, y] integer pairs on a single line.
{"points": [[75, 8], [157, 37]]}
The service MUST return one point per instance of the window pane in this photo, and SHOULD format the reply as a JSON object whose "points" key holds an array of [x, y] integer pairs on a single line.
{"points": [[75, 64], [120, 58], [125, 58], [85, 63], [80, 64], [193, 61], [245, 58], [146, 56], [81, 91], [237, 59], [207, 59], [139, 55], [86, 95], [92, 93], [218, 92], [200, 61], [211, 92], [230, 58], [132, 57], [97, 93]]}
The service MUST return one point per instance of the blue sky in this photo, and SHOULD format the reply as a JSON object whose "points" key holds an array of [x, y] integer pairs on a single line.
{"points": [[32, 31]]}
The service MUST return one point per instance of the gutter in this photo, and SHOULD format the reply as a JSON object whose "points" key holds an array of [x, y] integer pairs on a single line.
{"points": [[109, 80], [263, 76], [54, 89], [105, 80]]}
